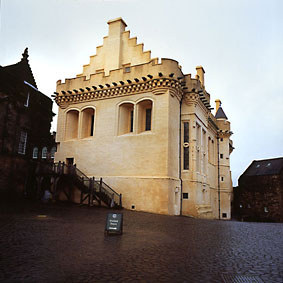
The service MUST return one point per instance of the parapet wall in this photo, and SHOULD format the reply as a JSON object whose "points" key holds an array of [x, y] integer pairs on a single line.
{"points": [[153, 68]]}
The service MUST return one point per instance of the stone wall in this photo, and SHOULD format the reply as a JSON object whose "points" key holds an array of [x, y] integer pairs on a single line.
{"points": [[260, 198]]}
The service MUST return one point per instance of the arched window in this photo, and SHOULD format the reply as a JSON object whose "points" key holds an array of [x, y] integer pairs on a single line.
{"points": [[72, 121], [44, 153], [88, 116], [35, 153], [144, 116], [53, 150], [126, 118]]}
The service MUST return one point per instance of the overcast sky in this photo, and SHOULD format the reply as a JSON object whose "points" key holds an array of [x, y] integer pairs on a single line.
{"points": [[239, 43]]}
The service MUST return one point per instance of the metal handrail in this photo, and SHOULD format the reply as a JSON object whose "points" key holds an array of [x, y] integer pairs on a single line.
{"points": [[98, 186]]}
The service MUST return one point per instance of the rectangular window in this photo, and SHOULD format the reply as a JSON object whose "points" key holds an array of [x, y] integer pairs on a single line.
{"points": [[185, 195], [148, 119], [92, 125], [221, 155], [186, 132], [23, 142], [132, 121], [198, 144], [27, 101], [209, 150], [186, 158], [186, 151]]}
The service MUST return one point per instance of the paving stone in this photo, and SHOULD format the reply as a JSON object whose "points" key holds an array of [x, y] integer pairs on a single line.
{"points": [[69, 245]]}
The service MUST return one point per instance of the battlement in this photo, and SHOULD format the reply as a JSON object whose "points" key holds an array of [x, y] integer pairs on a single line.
{"points": [[152, 68]]}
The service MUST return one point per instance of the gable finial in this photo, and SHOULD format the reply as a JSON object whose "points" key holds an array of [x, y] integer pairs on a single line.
{"points": [[25, 54]]}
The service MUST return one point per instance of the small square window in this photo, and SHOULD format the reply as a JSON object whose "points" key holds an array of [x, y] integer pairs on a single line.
{"points": [[221, 139], [224, 215], [185, 195], [127, 69], [221, 155]]}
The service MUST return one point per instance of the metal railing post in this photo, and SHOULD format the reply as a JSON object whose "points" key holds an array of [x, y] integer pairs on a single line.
{"points": [[120, 200], [89, 191], [100, 185], [59, 168]]}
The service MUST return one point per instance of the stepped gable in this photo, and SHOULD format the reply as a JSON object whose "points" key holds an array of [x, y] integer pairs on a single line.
{"points": [[22, 69], [118, 50]]}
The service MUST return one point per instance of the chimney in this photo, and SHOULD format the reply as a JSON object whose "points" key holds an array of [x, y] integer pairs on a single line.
{"points": [[218, 104], [200, 73], [116, 27], [113, 45]]}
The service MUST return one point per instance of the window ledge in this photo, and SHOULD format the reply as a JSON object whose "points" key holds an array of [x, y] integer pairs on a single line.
{"points": [[126, 135], [145, 133], [87, 138], [74, 139]]}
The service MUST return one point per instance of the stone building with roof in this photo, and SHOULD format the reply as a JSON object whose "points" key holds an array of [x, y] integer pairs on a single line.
{"points": [[259, 195], [25, 120], [147, 129]]}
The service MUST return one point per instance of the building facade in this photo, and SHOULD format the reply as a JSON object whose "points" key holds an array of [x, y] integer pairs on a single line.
{"points": [[25, 120], [259, 196], [147, 129]]}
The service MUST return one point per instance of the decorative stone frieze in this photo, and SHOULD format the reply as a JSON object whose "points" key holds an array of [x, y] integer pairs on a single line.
{"points": [[156, 86], [191, 98]]}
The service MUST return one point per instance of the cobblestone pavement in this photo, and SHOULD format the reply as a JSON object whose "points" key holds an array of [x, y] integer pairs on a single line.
{"points": [[69, 245]]}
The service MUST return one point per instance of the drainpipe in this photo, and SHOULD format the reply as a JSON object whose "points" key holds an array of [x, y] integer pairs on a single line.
{"points": [[218, 172], [180, 158]]}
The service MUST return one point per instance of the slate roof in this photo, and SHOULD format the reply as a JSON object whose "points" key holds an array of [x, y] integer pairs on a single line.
{"points": [[22, 70], [220, 114], [265, 167]]}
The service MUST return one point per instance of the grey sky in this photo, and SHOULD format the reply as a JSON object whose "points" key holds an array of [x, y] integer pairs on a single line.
{"points": [[239, 43]]}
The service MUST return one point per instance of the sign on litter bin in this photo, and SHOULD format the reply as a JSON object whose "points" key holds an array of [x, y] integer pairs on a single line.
{"points": [[114, 223]]}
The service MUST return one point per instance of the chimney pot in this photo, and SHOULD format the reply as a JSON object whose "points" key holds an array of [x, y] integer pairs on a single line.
{"points": [[200, 73], [217, 104]]}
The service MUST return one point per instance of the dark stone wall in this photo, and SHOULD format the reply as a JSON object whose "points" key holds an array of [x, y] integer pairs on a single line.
{"points": [[260, 198], [16, 115]]}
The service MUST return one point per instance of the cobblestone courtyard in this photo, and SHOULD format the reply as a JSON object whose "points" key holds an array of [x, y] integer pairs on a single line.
{"points": [[66, 243]]}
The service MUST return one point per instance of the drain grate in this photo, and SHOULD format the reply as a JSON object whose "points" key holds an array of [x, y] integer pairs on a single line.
{"points": [[237, 278]]}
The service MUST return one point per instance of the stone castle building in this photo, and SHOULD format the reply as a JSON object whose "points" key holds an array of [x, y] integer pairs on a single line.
{"points": [[25, 120], [147, 129], [259, 196]]}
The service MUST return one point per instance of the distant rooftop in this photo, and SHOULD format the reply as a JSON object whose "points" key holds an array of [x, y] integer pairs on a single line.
{"points": [[265, 167]]}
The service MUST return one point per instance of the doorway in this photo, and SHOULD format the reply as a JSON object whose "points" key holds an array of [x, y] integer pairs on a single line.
{"points": [[70, 161]]}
